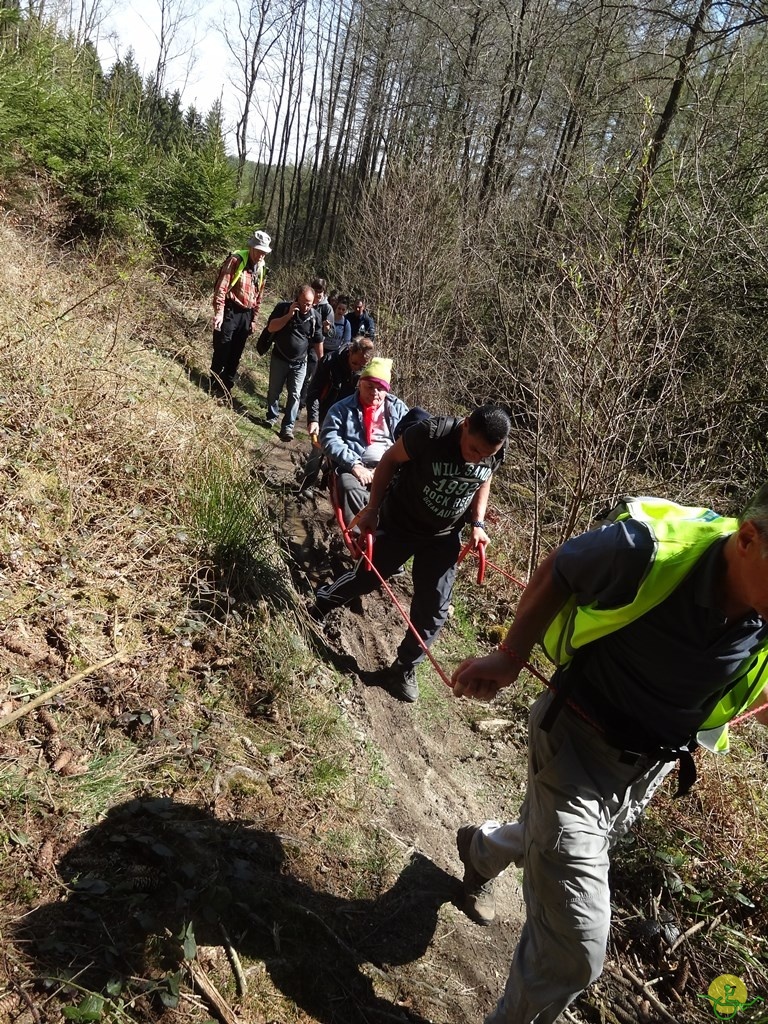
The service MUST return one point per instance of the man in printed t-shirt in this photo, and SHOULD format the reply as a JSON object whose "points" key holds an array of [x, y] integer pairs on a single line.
{"points": [[433, 480]]}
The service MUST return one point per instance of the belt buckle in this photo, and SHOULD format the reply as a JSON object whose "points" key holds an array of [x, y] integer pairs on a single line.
{"points": [[633, 758]]}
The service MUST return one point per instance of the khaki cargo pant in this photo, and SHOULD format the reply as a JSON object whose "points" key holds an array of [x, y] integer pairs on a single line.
{"points": [[580, 801]]}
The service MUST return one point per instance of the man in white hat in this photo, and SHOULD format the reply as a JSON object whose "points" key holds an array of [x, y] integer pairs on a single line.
{"points": [[236, 301]]}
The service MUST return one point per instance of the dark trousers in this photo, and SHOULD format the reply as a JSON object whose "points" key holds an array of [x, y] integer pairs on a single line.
{"points": [[434, 570], [312, 362], [228, 344], [353, 496]]}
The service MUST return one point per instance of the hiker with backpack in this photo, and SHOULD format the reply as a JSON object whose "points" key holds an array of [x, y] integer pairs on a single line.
{"points": [[336, 377], [342, 331], [236, 301], [358, 430], [294, 328], [435, 479], [658, 623], [324, 310]]}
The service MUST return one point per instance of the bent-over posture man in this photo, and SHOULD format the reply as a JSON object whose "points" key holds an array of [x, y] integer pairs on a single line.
{"points": [[357, 432], [236, 301], [658, 621], [335, 378], [435, 478]]}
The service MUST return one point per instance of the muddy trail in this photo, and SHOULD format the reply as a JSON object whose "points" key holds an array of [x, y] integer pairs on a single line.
{"points": [[445, 768]]}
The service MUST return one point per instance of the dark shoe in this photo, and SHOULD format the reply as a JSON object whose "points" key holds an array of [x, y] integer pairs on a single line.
{"points": [[286, 434], [479, 903], [401, 682], [269, 424], [400, 571], [319, 609]]}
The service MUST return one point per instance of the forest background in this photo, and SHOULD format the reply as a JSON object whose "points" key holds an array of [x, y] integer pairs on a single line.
{"points": [[563, 205]]}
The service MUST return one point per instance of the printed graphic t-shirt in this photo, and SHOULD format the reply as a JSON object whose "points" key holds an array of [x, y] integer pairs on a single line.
{"points": [[432, 493]]}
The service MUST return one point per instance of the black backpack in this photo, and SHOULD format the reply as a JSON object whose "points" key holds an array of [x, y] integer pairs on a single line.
{"points": [[264, 341], [411, 418]]}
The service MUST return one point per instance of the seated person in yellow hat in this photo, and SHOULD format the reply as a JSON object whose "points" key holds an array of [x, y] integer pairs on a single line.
{"points": [[358, 430]]}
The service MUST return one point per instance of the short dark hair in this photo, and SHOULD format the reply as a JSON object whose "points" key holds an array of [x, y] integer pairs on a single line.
{"points": [[341, 300], [319, 284], [491, 422]]}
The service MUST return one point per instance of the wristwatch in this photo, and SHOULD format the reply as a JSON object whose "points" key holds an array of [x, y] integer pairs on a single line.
{"points": [[480, 523]]}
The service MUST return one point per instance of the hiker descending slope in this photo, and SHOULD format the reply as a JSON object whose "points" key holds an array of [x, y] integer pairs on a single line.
{"points": [[434, 479], [335, 378], [657, 621], [236, 301], [295, 328], [361, 321]]}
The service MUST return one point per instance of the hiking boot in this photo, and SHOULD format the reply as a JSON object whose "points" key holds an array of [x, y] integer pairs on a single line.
{"points": [[286, 434], [401, 682], [479, 903]]}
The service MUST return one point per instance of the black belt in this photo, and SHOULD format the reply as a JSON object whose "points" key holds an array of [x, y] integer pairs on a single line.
{"points": [[291, 362], [686, 771]]}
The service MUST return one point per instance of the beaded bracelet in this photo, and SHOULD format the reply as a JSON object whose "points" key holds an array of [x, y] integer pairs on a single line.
{"points": [[510, 653]]}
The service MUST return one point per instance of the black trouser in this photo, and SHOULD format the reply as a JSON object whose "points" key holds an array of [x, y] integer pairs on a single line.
{"points": [[312, 362], [434, 570], [228, 344]]}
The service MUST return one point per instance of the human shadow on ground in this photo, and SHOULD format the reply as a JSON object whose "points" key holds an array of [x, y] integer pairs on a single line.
{"points": [[155, 868], [212, 387]]}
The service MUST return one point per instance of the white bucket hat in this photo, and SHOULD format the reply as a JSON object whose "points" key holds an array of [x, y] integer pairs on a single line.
{"points": [[260, 240]]}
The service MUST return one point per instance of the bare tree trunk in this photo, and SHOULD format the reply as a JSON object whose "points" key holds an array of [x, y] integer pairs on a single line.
{"points": [[250, 41], [651, 156]]}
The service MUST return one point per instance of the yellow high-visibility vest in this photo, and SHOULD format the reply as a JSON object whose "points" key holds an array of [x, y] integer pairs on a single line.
{"points": [[681, 535]]}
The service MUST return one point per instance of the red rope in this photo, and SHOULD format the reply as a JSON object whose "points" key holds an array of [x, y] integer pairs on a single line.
{"points": [[485, 562], [435, 664], [747, 714], [366, 555]]}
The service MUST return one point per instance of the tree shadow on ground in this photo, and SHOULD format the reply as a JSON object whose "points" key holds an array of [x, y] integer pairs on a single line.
{"points": [[153, 868]]}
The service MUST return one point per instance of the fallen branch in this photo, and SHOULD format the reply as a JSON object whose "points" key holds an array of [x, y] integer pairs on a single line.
{"points": [[210, 993], [45, 697], [85, 298], [234, 960], [648, 993], [708, 924], [351, 953]]}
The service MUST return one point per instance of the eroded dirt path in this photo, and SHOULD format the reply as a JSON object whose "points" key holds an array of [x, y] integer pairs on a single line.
{"points": [[442, 771]]}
